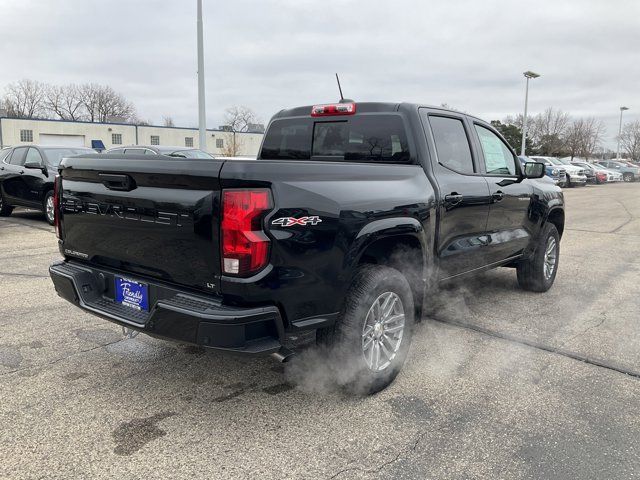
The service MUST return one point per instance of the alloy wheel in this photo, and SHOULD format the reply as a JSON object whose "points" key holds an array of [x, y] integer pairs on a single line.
{"points": [[382, 331], [49, 209], [550, 257]]}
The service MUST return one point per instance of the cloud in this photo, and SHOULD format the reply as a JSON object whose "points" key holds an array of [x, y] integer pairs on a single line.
{"points": [[272, 54]]}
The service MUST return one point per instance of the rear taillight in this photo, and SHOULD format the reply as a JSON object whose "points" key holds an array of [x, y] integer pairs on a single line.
{"points": [[56, 204], [333, 109], [245, 246]]}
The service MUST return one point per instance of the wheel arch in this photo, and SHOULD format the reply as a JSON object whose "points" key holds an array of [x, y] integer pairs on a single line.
{"points": [[399, 243], [556, 216]]}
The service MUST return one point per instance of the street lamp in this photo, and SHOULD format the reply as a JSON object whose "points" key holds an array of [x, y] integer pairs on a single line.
{"points": [[202, 117], [622, 109], [528, 74]]}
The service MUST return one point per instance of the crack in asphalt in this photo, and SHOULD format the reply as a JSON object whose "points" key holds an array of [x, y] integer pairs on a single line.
{"points": [[631, 217], [60, 359], [540, 346], [410, 447], [588, 329], [30, 275], [22, 224]]}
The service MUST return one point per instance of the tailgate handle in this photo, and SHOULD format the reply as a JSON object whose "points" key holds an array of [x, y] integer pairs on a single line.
{"points": [[117, 182]]}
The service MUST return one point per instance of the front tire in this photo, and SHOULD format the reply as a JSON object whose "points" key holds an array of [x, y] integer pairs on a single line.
{"points": [[568, 182], [371, 339], [5, 210], [538, 273], [627, 177], [48, 208]]}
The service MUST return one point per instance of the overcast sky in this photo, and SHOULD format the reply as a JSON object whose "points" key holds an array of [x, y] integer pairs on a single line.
{"points": [[272, 54]]}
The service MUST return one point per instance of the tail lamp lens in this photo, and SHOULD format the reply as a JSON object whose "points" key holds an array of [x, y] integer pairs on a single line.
{"points": [[56, 205], [245, 246]]}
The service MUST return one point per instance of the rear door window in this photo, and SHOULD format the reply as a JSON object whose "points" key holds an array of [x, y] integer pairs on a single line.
{"points": [[34, 156], [452, 144], [367, 138], [18, 156]]}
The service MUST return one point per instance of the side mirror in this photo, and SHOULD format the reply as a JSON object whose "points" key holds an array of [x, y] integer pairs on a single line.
{"points": [[533, 170], [33, 165]]}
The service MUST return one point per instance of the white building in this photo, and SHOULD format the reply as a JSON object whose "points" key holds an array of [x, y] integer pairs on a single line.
{"points": [[23, 131]]}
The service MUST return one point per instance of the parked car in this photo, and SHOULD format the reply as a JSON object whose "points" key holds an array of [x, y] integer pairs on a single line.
{"points": [[572, 176], [553, 174], [348, 217], [629, 173], [183, 152], [595, 173], [27, 174], [575, 175]]}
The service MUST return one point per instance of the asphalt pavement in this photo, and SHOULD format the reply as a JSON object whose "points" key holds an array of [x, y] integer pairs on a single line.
{"points": [[499, 383]]}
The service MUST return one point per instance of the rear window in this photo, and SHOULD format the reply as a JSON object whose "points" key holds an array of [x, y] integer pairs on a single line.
{"points": [[365, 138], [55, 155]]}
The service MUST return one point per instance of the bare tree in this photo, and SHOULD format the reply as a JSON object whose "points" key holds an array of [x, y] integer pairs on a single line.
{"points": [[239, 118], [547, 131], [583, 137], [594, 131], [89, 93], [102, 103], [112, 104], [232, 145], [65, 102], [168, 121], [630, 139], [25, 99]]}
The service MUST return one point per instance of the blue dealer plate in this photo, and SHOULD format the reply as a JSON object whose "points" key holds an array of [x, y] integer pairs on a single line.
{"points": [[132, 294]]}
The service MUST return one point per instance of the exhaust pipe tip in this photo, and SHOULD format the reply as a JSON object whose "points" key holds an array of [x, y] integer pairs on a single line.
{"points": [[283, 355]]}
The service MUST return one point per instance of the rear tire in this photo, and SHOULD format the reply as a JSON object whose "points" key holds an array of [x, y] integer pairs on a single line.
{"points": [[538, 273], [47, 205], [627, 177], [370, 341], [5, 210]]}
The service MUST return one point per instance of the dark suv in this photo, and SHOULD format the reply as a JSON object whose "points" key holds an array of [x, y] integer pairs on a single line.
{"points": [[27, 174]]}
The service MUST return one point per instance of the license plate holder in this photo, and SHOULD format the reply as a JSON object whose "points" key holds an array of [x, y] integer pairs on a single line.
{"points": [[132, 294]]}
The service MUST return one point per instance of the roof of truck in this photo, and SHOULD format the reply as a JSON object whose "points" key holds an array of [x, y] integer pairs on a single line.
{"points": [[367, 107]]}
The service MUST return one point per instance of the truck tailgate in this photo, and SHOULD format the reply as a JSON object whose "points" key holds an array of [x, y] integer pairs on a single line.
{"points": [[152, 216]]}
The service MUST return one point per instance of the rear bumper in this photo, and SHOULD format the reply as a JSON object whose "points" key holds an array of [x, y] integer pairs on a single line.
{"points": [[174, 314]]}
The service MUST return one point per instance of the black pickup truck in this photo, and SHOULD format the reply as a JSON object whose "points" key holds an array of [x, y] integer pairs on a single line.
{"points": [[350, 216]]}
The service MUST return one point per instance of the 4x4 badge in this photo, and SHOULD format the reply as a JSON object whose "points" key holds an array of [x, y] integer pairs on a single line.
{"points": [[291, 221]]}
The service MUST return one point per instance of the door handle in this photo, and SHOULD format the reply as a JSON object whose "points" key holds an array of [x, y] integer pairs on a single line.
{"points": [[123, 183], [21, 172], [497, 196], [453, 198]]}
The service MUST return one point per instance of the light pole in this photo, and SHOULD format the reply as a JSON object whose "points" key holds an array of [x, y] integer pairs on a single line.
{"points": [[202, 117], [622, 109], [528, 74]]}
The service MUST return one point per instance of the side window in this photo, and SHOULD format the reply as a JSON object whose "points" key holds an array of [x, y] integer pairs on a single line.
{"points": [[117, 151], [452, 144], [498, 158], [34, 156], [134, 151], [18, 156]]}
